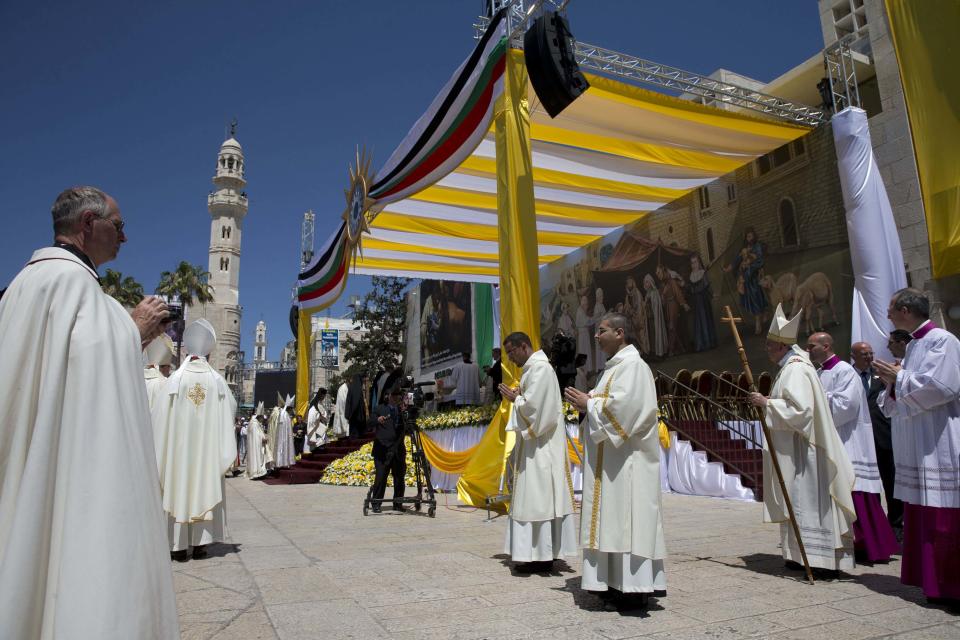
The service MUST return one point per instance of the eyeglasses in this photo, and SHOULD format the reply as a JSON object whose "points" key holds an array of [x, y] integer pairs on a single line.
{"points": [[117, 224]]}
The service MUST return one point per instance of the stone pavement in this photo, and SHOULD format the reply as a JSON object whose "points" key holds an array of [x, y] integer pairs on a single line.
{"points": [[305, 563]]}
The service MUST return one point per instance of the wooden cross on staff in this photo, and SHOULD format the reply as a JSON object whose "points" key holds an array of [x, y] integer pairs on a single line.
{"points": [[732, 321]]}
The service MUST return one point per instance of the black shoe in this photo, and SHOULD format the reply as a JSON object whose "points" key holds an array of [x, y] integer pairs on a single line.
{"points": [[632, 601], [179, 556], [199, 552], [659, 593], [399, 507], [375, 508]]}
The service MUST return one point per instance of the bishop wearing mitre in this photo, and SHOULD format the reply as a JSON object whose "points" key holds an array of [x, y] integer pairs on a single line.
{"points": [[158, 356], [621, 530], [540, 526], [816, 470], [284, 454], [256, 444], [196, 445]]}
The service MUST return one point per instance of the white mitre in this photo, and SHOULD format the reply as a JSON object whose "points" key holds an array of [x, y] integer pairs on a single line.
{"points": [[159, 352], [260, 410], [288, 402], [783, 330], [199, 338]]}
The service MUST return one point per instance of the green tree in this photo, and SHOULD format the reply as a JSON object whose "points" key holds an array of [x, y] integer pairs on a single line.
{"points": [[383, 313], [124, 290], [189, 282]]}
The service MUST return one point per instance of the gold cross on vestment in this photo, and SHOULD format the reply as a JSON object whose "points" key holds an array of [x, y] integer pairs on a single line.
{"points": [[197, 394]]}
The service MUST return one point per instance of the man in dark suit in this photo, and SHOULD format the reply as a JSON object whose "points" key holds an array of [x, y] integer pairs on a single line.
{"points": [[495, 371], [862, 355], [389, 451]]}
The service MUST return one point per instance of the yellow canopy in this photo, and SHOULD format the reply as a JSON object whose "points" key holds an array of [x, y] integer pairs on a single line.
{"points": [[616, 154]]}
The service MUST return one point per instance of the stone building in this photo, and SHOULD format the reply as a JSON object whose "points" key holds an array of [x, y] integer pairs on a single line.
{"points": [[228, 207]]}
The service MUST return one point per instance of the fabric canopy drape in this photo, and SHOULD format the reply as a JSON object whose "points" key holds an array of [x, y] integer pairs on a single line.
{"points": [[925, 39], [613, 156], [875, 252]]}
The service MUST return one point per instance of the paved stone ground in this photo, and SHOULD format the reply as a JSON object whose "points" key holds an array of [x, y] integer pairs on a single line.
{"points": [[305, 563]]}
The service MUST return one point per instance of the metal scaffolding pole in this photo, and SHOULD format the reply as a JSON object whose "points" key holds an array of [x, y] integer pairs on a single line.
{"points": [[838, 61]]}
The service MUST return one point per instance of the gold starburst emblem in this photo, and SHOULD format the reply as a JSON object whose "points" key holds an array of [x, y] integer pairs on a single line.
{"points": [[357, 214], [197, 394]]}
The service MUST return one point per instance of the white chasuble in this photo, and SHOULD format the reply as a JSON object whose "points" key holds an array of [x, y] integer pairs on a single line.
{"points": [[621, 530], [851, 416], [196, 442], [340, 426], [155, 383], [270, 447], [540, 526], [284, 453], [816, 470], [318, 427], [82, 550], [924, 410], [256, 445]]}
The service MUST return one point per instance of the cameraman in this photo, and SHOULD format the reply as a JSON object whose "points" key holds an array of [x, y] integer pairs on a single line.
{"points": [[389, 452]]}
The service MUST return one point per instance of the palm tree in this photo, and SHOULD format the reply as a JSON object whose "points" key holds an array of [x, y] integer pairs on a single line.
{"points": [[188, 282], [124, 290]]}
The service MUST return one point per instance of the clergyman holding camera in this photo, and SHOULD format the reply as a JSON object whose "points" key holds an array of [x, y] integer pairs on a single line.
{"points": [[77, 443]]}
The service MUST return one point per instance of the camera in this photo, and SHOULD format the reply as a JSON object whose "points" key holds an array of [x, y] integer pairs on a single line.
{"points": [[414, 396], [563, 354], [174, 308]]}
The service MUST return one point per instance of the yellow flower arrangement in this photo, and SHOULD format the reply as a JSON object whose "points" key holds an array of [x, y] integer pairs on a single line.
{"points": [[463, 417], [357, 469]]}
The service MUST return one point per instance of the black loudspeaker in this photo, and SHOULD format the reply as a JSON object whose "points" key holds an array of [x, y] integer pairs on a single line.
{"points": [[551, 65]]}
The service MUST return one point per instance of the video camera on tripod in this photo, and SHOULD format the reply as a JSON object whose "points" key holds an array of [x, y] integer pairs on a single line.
{"points": [[414, 399]]}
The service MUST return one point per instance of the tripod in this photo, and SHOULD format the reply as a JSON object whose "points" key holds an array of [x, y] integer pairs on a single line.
{"points": [[421, 471]]}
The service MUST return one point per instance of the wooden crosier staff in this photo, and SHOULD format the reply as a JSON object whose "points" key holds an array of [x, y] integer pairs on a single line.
{"points": [[766, 437]]}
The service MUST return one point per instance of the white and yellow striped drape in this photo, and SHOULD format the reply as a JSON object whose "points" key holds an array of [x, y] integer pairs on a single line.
{"points": [[616, 154]]}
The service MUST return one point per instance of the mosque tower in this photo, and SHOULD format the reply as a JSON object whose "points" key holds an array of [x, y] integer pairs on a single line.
{"points": [[260, 343], [228, 207]]}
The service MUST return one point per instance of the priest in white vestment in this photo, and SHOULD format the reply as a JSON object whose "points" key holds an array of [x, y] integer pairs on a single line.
{"points": [[873, 537], [462, 386], [284, 455], [82, 550], [540, 525], [340, 425], [621, 530], [158, 356], [256, 444], [923, 401], [317, 420], [196, 444], [816, 470]]}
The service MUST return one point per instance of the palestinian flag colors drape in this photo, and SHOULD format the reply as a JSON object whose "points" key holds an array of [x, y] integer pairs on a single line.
{"points": [[443, 137], [322, 282]]}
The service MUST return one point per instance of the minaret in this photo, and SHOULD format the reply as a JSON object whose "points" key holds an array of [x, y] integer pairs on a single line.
{"points": [[227, 206], [260, 343]]}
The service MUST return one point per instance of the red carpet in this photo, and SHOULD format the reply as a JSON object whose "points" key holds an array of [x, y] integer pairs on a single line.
{"points": [[311, 466], [734, 454]]}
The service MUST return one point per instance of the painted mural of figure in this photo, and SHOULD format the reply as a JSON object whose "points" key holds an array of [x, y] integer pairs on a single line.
{"points": [[749, 269], [636, 314], [671, 295], [658, 344], [584, 322], [700, 296], [599, 310], [565, 323]]}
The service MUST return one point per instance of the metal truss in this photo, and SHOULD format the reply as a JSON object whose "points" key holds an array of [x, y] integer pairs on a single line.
{"points": [[638, 70], [838, 61], [643, 71]]}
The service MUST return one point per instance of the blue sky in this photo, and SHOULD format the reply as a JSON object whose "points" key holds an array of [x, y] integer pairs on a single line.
{"points": [[134, 97]]}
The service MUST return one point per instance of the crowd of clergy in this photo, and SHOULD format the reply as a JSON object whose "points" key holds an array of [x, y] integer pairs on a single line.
{"points": [[88, 434], [842, 434]]}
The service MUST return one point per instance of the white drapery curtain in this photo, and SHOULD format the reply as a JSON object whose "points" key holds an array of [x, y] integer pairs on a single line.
{"points": [[875, 252]]}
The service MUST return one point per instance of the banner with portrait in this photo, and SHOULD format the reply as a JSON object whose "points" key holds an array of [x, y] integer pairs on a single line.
{"points": [[446, 322], [330, 348]]}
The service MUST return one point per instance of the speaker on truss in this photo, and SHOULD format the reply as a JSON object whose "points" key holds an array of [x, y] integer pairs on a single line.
{"points": [[551, 65]]}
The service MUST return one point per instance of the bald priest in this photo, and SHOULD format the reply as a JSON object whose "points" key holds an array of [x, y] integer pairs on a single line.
{"points": [[816, 470]]}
